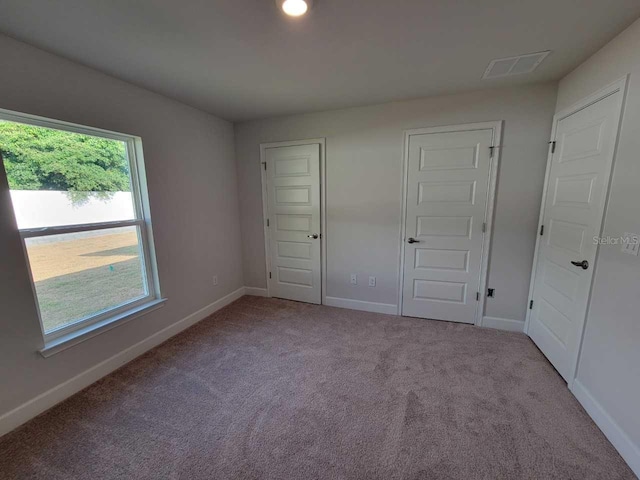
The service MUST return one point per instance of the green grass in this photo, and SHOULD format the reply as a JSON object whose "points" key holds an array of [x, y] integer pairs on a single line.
{"points": [[71, 297]]}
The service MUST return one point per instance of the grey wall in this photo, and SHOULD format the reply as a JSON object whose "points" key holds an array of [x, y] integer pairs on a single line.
{"points": [[364, 162], [191, 174], [609, 366]]}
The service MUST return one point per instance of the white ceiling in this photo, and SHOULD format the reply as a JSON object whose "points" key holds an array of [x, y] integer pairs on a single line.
{"points": [[242, 59]]}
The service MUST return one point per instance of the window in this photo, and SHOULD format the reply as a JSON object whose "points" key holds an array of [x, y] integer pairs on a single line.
{"points": [[80, 204]]}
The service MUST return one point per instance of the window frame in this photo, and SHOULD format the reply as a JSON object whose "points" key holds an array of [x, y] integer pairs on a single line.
{"points": [[142, 222]]}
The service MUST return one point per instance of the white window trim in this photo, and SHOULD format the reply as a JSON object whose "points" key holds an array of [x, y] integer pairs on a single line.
{"points": [[77, 336], [71, 334]]}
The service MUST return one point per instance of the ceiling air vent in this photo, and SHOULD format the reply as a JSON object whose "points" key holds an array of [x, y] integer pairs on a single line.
{"points": [[503, 67]]}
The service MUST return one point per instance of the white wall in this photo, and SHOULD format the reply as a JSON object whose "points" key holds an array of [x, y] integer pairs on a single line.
{"points": [[364, 163], [609, 367], [45, 208], [191, 173]]}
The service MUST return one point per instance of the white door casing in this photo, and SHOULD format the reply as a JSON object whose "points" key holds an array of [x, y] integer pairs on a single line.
{"points": [[293, 221], [448, 202], [576, 189]]}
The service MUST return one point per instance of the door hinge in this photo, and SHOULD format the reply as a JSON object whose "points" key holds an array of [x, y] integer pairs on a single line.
{"points": [[541, 229], [531, 305], [553, 146], [264, 164], [491, 149], [484, 227], [267, 222], [269, 274], [477, 296]]}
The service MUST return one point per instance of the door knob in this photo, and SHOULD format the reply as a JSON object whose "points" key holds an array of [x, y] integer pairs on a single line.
{"points": [[584, 264], [413, 240], [314, 236]]}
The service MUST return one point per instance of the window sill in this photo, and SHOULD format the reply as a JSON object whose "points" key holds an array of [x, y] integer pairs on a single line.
{"points": [[66, 341]]}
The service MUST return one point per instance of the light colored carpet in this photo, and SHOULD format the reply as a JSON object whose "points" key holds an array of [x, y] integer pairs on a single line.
{"points": [[271, 389]]}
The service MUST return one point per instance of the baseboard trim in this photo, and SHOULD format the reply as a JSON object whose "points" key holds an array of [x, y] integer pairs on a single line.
{"points": [[503, 324], [255, 291], [387, 308], [34, 407], [616, 435]]}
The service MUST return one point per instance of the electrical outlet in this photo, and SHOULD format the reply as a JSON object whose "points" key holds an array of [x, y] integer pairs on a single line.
{"points": [[354, 279], [372, 281], [215, 280]]}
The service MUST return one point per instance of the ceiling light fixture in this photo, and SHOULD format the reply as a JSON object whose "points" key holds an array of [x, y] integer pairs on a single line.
{"points": [[295, 8]]}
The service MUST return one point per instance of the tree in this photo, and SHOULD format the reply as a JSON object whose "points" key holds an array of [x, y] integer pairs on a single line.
{"points": [[37, 158]]}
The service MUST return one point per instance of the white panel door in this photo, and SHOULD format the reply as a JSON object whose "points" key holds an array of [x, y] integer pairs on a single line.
{"points": [[574, 205], [293, 194], [448, 177]]}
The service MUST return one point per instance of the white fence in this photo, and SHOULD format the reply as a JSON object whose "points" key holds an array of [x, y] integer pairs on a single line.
{"points": [[36, 208]]}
